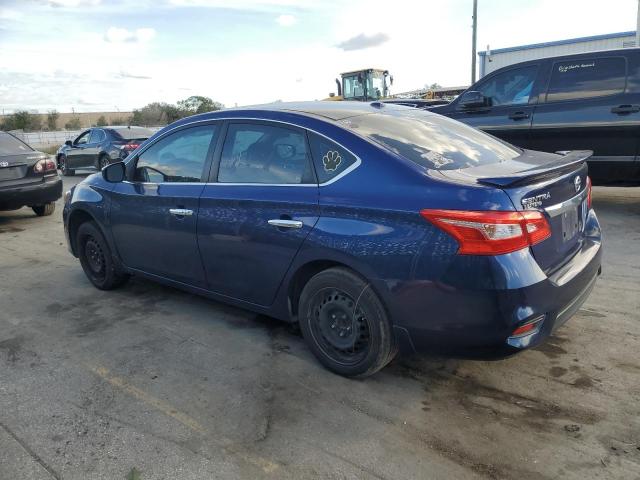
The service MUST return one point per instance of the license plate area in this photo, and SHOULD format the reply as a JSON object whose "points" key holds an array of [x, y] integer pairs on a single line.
{"points": [[13, 173], [573, 221]]}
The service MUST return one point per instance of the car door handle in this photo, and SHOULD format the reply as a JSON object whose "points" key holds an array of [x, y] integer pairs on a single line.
{"points": [[180, 212], [283, 223], [622, 109], [519, 115]]}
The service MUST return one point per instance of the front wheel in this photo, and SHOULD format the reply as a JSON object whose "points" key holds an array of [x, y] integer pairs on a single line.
{"points": [[96, 259], [44, 210], [345, 324]]}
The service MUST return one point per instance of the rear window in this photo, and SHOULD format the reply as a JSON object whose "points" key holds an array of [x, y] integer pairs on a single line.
{"points": [[132, 133], [587, 78], [432, 141], [9, 145]]}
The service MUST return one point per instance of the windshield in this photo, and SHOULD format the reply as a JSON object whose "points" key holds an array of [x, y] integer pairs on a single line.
{"points": [[432, 141], [352, 87], [10, 145], [133, 133], [375, 86]]}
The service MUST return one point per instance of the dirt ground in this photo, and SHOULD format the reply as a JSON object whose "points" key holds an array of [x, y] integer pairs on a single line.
{"points": [[152, 383]]}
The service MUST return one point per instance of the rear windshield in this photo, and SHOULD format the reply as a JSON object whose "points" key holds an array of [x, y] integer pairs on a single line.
{"points": [[10, 145], [133, 133], [430, 140]]}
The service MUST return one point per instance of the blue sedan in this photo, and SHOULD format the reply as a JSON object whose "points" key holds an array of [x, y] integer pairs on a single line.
{"points": [[377, 228]]}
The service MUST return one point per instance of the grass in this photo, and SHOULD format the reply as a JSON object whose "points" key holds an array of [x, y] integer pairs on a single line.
{"points": [[49, 150]]}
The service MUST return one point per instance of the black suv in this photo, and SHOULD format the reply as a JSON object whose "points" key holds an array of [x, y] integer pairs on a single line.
{"points": [[98, 147], [27, 177], [588, 101]]}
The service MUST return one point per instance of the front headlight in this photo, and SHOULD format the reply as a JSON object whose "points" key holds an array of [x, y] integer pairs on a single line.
{"points": [[67, 196]]}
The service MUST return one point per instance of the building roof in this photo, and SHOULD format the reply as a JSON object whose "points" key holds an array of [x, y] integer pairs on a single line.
{"points": [[592, 38]]}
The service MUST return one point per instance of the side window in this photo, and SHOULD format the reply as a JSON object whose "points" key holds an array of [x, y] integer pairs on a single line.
{"points": [[512, 87], [179, 157], [587, 78], [257, 153], [329, 158], [96, 136], [82, 139]]}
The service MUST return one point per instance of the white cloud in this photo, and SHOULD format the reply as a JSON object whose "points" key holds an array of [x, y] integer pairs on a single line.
{"points": [[286, 20], [122, 35], [241, 4], [72, 3], [6, 14]]}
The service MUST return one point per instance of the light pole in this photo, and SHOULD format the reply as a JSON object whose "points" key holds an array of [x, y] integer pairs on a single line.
{"points": [[473, 41], [638, 27]]}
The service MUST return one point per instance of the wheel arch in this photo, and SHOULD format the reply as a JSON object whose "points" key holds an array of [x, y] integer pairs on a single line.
{"points": [[306, 271], [76, 218]]}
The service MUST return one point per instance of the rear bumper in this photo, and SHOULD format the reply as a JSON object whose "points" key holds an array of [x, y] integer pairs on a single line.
{"points": [[478, 322], [16, 196]]}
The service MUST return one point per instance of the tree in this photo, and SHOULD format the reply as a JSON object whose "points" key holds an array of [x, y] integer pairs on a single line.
{"points": [[433, 86], [102, 121], [73, 124], [150, 115], [22, 120], [52, 119], [199, 104]]}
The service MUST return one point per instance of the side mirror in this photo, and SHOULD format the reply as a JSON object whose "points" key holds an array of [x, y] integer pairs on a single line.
{"points": [[69, 143], [114, 172], [472, 99]]}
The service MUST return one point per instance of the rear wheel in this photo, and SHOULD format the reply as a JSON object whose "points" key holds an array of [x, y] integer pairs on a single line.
{"points": [[96, 260], [62, 164], [44, 210], [103, 161], [345, 324]]}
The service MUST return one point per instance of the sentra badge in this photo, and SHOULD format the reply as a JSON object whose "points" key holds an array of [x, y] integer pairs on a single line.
{"points": [[535, 202]]}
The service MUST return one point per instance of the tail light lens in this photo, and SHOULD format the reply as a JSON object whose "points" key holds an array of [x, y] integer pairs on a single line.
{"points": [[589, 192], [45, 165], [491, 232], [528, 328], [126, 149]]}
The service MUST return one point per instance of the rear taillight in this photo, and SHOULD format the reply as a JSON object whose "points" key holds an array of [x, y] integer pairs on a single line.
{"points": [[45, 165], [589, 192], [491, 232], [130, 146]]}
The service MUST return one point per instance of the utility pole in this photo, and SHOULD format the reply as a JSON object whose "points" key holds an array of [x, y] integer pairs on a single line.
{"points": [[638, 27], [475, 32]]}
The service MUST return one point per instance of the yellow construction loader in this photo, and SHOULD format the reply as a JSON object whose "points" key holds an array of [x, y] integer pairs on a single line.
{"points": [[365, 85]]}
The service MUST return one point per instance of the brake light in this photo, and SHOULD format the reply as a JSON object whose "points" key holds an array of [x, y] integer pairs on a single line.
{"points": [[130, 146], [589, 192], [491, 232], [44, 165]]}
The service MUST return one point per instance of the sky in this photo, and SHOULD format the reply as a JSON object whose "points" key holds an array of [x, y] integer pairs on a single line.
{"points": [[116, 55]]}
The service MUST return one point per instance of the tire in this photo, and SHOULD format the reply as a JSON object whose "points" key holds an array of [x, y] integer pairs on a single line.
{"points": [[44, 210], [62, 163], [103, 161], [345, 323], [96, 259]]}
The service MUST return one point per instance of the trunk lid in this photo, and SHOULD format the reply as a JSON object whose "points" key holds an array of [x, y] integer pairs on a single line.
{"points": [[16, 166], [554, 184]]}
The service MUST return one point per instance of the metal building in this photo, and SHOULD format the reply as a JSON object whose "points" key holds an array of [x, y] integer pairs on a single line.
{"points": [[491, 60]]}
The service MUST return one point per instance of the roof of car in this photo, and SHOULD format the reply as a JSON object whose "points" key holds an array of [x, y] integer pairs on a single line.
{"points": [[333, 110]]}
